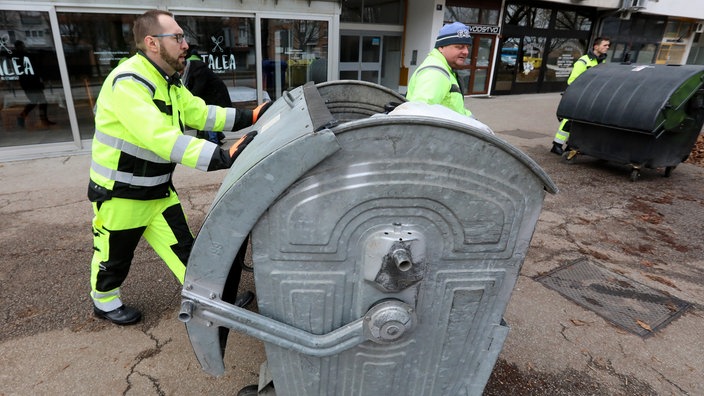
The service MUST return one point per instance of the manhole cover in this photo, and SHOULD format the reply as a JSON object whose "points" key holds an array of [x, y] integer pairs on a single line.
{"points": [[622, 301]]}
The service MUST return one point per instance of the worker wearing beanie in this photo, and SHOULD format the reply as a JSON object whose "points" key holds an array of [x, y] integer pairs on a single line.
{"points": [[435, 80]]}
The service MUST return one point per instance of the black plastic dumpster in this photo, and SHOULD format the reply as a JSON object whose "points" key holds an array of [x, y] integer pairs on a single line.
{"points": [[643, 116]]}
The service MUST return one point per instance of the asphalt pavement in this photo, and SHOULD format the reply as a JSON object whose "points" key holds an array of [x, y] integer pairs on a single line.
{"points": [[648, 232]]}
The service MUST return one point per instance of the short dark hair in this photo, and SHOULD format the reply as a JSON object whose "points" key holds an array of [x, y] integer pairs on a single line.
{"points": [[145, 24], [600, 39]]}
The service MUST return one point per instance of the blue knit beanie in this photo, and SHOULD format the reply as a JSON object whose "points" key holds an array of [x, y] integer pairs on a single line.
{"points": [[453, 33]]}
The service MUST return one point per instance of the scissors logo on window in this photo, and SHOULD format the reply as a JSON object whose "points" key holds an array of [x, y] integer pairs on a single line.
{"points": [[217, 42], [3, 43]]}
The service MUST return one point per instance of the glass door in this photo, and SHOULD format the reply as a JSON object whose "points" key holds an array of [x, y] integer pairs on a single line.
{"points": [[360, 57], [480, 64], [33, 106]]}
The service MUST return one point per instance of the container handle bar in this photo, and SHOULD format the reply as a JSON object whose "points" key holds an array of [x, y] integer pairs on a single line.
{"points": [[393, 317]]}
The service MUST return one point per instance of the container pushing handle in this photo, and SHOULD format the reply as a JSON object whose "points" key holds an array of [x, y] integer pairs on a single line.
{"points": [[385, 322]]}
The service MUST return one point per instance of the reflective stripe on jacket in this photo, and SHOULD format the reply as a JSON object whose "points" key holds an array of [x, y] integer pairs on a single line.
{"points": [[139, 123], [582, 64], [434, 82]]}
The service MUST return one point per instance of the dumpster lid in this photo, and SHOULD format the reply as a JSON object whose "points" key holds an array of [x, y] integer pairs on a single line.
{"points": [[642, 98]]}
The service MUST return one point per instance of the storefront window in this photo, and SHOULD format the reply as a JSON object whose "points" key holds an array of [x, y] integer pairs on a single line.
{"points": [[563, 53], [32, 98], [646, 54], [458, 11], [93, 45], [372, 11], [461, 14], [532, 59], [226, 45], [294, 52], [572, 20], [527, 16], [506, 69], [671, 54]]}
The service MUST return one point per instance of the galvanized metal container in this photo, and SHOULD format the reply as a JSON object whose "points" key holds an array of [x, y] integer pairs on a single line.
{"points": [[385, 251]]}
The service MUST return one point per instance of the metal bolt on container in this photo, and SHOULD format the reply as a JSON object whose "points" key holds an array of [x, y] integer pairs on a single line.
{"points": [[385, 247]]}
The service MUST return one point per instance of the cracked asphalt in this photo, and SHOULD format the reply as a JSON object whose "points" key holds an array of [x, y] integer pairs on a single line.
{"points": [[649, 231]]}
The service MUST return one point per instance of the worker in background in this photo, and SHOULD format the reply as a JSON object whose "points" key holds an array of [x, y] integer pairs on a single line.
{"points": [[435, 80], [595, 56], [141, 114], [33, 86], [205, 84]]}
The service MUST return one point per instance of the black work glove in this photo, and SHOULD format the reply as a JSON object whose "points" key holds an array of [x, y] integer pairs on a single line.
{"points": [[240, 145], [389, 107], [259, 110]]}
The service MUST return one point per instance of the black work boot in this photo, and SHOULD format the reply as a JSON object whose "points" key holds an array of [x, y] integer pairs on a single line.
{"points": [[557, 148], [123, 315]]}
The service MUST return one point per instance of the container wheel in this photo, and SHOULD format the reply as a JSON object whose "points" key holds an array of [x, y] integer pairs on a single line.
{"points": [[635, 174], [668, 170], [249, 390], [569, 155]]}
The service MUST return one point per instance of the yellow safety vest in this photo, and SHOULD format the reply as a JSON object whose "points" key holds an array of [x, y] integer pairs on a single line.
{"points": [[434, 82], [139, 122]]}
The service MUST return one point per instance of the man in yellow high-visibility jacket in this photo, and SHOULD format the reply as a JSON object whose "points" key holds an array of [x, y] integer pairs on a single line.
{"points": [[141, 113], [435, 80], [592, 58]]}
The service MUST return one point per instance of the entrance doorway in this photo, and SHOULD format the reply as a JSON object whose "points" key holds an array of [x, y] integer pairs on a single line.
{"points": [[372, 57], [475, 77]]}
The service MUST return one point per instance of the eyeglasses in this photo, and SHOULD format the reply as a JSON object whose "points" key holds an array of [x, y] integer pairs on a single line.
{"points": [[178, 36]]}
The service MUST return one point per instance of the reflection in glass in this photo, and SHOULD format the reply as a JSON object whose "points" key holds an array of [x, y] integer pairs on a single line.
{"points": [[532, 56], [572, 20], [370, 76], [372, 11], [528, 16], [479, 80], [470, 15], [349, 48], [561, 57], [507, 67], [295, 51], [93, 46], [618, 50], [371, 49], [484, 51], [489, 17], [465, 15], [31, 92], [646, 54]]}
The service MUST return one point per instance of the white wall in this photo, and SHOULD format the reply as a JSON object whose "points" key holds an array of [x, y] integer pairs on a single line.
{"points": [[423, 22], [679, 8]]}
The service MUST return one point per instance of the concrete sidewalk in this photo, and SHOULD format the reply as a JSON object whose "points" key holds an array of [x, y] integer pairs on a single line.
{"points": [[648, 231]]}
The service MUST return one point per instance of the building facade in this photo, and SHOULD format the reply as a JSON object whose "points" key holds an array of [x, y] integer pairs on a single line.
{"points": [[263, 48]]}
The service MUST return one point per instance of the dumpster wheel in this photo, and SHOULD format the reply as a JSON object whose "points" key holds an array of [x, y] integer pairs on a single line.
{"points": [[635, 173], [569, 155], [668, 170]]}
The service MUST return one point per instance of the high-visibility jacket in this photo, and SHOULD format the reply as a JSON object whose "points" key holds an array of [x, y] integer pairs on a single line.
{"points": [[581, 65], [584, 62], [139, 122], [434, 82]]}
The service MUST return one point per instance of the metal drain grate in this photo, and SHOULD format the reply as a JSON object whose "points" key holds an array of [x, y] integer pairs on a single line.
{"points": [[628, 304]]}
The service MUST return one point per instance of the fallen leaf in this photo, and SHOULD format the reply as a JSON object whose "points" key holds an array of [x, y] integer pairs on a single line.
{"points": [[647, 263], [662, 280], [644, 325]]}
